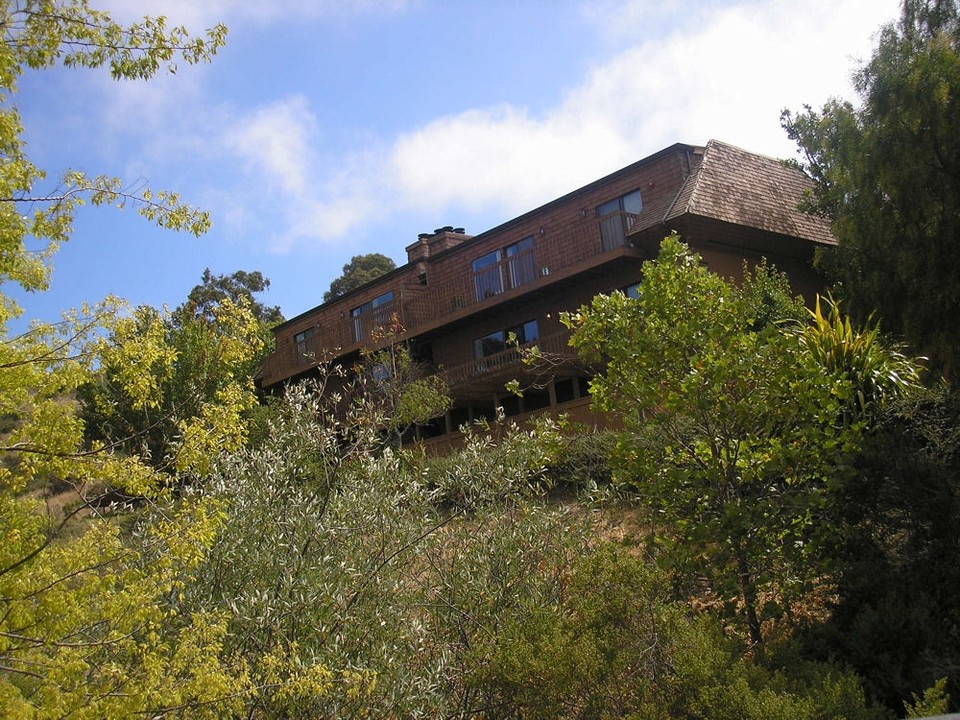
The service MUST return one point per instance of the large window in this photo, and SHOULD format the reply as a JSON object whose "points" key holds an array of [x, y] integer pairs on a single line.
{"points": [[373, 312], [487, 275], [497, 342], [504, 269], [521, 268], [617, 217]]}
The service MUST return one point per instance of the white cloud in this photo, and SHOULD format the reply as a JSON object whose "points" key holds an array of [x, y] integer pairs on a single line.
{"points": [[275, 143], [724, 73]]}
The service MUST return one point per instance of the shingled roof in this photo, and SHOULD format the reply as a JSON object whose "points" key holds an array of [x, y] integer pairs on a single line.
{"points": [[742, 188]]}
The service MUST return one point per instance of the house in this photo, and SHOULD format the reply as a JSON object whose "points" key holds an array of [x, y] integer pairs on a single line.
{"points": [[460, 299]]}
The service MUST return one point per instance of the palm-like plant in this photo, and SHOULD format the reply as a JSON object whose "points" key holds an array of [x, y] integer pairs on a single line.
{"points": [[877, 370]]}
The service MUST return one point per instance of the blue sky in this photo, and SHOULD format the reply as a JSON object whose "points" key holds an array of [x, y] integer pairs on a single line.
{"points": [[328, 128]]}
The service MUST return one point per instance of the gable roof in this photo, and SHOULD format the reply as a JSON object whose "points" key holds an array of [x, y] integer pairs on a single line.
{"points": [[742, 188]]}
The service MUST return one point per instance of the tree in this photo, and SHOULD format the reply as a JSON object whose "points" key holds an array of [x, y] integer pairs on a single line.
{"points": [[197, 384], [237, 287], [897, 612], [84, 625], [731, 429], [359, 271], [886, 175], [213, 344]]}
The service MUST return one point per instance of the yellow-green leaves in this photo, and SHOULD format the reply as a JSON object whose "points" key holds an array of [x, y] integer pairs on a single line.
{"points": [[85, 627], [42, 33]]}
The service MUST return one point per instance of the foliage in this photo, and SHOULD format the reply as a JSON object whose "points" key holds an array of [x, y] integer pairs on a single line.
{"points": [[238, 287], [933, 702], [885, 175], [877, 372], [584, 464], [85, 631], [40, 34], [616, 645], [346, 561], [404, 391], [84, 626], [359, 271], [731, 431], [897, 614], [194, 376]]}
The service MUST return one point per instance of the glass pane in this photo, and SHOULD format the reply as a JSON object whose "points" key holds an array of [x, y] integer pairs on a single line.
{"points": [[520, 263], [382, 299], [612, 232], [611, 206], [487, 277], [519, 247], [530, 331], [487, 260], [633, 203], [489, 345]]}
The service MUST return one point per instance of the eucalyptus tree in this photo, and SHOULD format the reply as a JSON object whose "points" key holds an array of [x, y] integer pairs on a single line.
{"points": [[885, 173]]}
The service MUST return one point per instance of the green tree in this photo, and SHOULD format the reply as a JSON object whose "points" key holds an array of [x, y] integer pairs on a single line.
{"points": [[84, 626], [897, 613], [359, 271], [213, 345], [731, 429], [237, 287], [886, 175], [198, 384]]}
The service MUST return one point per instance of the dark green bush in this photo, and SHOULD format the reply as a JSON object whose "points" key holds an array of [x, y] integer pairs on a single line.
{"points": [[897, 619]]}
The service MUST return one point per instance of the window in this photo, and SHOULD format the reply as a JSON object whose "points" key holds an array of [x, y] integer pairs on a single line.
{"points": [[521, 268], [632, 290], [379, 317], [487, 276], [617, 217], [303, 343], [496, 342]]}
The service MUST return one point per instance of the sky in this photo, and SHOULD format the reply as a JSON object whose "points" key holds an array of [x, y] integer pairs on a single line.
{"points": [[331, 128]]}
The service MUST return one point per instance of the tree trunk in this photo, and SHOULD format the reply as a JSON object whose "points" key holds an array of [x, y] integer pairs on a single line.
{"points": [[748, 595]]}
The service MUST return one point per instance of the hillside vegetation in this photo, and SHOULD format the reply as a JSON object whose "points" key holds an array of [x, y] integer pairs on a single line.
{"points": [[772, 533]]}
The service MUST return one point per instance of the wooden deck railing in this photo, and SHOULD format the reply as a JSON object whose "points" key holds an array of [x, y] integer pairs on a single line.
{"points": [[415, 308], [553, 348]]}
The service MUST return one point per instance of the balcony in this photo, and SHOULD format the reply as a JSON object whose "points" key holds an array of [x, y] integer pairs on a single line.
{"points": [[414, 309], [490, 373]]}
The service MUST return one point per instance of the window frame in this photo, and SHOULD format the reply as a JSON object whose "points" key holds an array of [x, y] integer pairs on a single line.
{"points": [[357, 313]]}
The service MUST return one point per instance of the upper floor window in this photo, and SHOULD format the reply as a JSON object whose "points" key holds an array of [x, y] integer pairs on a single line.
{"points": [[303, 342], [488, 275], [617, 217], [521, 268], [362, 314], [491, 275]]}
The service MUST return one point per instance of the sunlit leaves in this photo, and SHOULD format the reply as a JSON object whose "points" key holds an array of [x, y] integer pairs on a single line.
{"points": [[732, 430], [84, 624]]}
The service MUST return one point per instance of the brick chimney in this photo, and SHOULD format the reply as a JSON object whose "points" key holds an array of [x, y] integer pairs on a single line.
{"points": [[441, 239]]}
